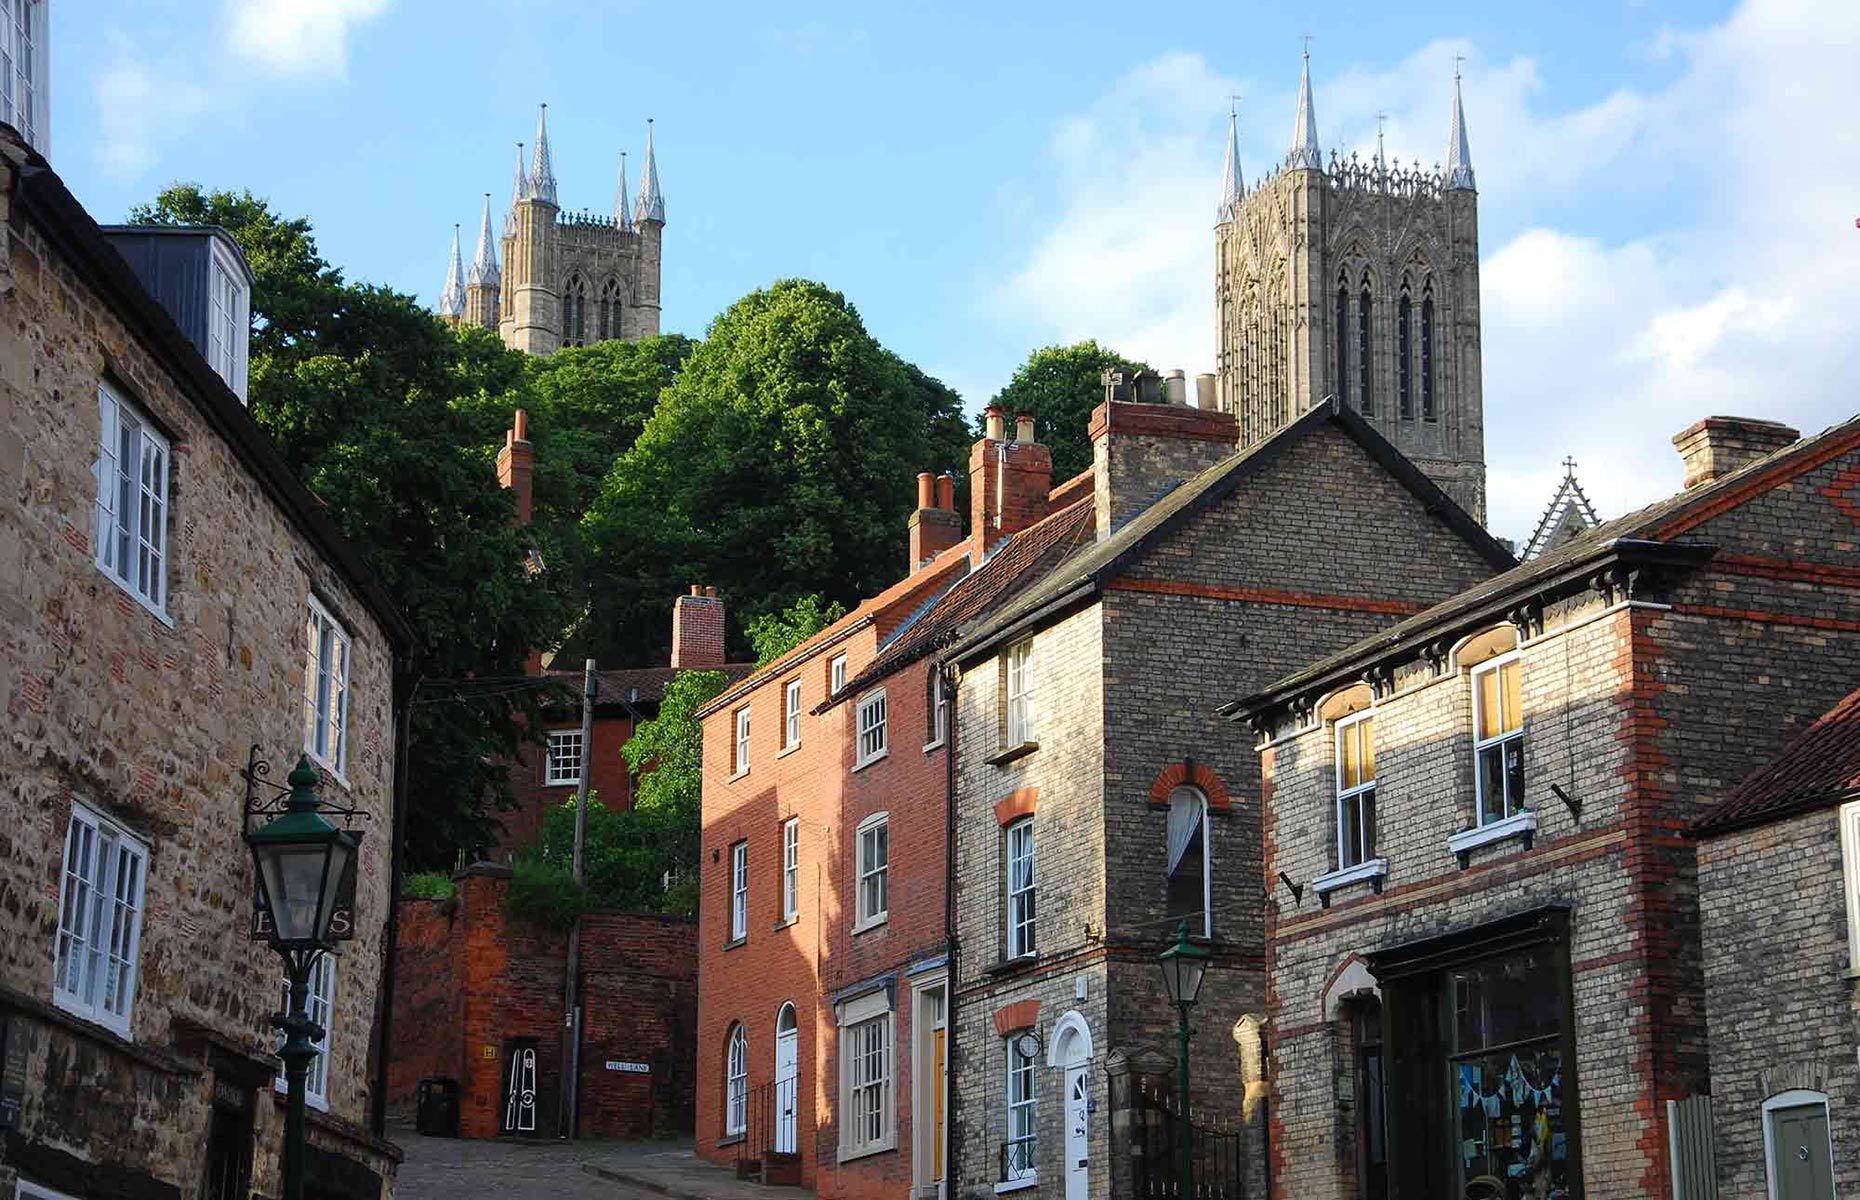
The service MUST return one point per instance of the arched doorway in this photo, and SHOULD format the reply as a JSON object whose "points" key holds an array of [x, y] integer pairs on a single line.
{"points": [[787, 1080], [1071, 1055]]}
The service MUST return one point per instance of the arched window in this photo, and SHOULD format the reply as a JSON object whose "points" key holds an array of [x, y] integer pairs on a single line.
{"points": [[1189, 881], [1427, 352], [787, 1079], [1343, 342], [610, 310], [1404, 352], [1364, 375], [736, 1082], [575, 312]]}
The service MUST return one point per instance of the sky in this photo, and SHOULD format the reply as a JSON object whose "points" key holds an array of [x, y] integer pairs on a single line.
{"points": [[1669, 192]]}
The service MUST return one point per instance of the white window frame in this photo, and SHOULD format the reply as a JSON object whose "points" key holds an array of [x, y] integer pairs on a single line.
{"points": [[326, 688], [28, 1190], [791, 715], [1514, 805], [132, 547], [1349, 796], [556, 755], [790, 868], [939, 710], [836, 675], [1203, 810], [103, 876], [1850, 873], [872, 878], [874, 729], [1794, 1098], [321, 1003], [229, 318], [1022, 889], [1020, 1107], [736, 1081], [868, 1035], [25, 67], [739, 891], [1018, 696], [740, 761]]}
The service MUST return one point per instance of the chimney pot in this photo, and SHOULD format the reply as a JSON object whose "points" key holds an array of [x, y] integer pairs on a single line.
{"points": [[696, 590], [926, 490], [1175, 387], [1023, 427], [1116, 386], [1206, 392], [711, 592], [1149, 387], [521, 431], [1716, 446], [995, 424], [946, 492]]}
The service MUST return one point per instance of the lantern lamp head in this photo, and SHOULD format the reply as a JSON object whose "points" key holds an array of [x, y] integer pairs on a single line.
{"points": [[301, 859], [1183, 966]]}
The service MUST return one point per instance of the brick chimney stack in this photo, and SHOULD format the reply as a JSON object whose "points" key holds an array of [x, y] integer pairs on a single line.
{"points": [[936, 525], [697, 630], [1009, 481], [1716, 446], [1145, 439], [516, 464]]}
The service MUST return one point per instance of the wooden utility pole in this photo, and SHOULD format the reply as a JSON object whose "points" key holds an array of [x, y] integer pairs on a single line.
{"points": [[571, 982]]}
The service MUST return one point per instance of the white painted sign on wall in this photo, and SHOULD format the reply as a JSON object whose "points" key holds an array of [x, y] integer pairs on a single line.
{"points": [[629, 1067]]}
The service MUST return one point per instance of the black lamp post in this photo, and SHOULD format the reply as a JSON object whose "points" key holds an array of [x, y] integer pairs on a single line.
{"points": [[1183, 965], [300, 858]]}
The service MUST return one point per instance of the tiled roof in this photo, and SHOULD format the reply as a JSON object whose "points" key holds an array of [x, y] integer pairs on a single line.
{"points": [[1821, 767], [637, 685], [1663, 521], [1019, 562]]}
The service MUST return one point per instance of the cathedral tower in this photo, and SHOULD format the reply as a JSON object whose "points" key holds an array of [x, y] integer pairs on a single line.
{"points": [[568, 278], [1358, 280]]}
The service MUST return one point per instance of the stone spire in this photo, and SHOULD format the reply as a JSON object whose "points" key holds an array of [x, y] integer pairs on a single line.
{"points": [[484, 262], [651, 203], [1304, 155], [1233, 188], [1459, 153], [518, 191], [542, 174], [452, 297], [623, 217]]}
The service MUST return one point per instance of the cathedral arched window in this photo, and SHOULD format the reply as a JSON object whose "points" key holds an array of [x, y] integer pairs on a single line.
{"points": [[1404, 351], [610, 310], [1343, 342], [575, 312], [1364, 375], [1428, 412]]}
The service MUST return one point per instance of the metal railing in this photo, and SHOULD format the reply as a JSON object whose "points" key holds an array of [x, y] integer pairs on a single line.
{"points": [[758, 1130], [1016, 1158], [1216, 1150]]}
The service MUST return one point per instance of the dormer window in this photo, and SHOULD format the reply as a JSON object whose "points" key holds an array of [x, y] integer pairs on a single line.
{"points": [[229, 318]]}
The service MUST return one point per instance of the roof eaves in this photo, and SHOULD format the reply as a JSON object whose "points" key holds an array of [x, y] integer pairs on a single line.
{"points": [[1717, 823]]}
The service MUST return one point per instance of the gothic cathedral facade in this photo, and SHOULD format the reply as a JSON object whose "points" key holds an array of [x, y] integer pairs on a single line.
{"points": [[567, 278], [1360, 281]]}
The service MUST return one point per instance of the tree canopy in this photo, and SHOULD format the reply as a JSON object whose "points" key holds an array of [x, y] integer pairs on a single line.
{"points": [[780, 462], [1060, 386], [772, 635]]}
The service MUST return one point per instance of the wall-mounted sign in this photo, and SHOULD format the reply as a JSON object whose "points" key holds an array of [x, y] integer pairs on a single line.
{"points": [[488, 1052], [631, 1068], [342, 920], [12, 1073]]}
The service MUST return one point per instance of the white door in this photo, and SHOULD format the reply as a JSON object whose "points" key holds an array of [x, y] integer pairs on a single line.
{"points": [[1078, 1109], [787, 1082]]}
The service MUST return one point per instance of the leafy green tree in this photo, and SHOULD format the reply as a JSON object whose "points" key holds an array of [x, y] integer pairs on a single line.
{"points": [[381, 410], [772, 635], [1060, 386], [780, 462]]}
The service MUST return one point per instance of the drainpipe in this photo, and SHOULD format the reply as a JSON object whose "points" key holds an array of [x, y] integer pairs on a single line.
{"points": [[951, 1142], [404, 688]]}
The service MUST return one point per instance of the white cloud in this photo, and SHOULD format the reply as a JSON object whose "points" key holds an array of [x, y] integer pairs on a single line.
{"points": [[139, 108], [298, 37], [1736, 296]]}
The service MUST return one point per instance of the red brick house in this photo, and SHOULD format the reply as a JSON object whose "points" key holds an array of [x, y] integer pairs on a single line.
{"points": [[823, 919], [1483, 930]]}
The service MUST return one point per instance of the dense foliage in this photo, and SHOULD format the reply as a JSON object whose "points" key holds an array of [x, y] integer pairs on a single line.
{"points": [[772, 635], [1060, 386]]}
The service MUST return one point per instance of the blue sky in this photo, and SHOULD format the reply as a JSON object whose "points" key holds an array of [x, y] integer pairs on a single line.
{"points": [[1668, 190]]}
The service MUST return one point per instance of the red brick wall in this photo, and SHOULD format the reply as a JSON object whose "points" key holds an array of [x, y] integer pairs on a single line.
{"points": [[613, 785], [473, 981], [697, 630]]}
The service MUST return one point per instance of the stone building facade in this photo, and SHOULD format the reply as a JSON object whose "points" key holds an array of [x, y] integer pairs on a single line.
{"points": [[1099, 802], [1483, 929], [153, 634], [566, 278], [1779, 920], [1358, 281]]}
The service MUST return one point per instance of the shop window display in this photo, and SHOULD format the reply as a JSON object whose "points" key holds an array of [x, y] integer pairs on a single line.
{"points": [[1506, 1072]]}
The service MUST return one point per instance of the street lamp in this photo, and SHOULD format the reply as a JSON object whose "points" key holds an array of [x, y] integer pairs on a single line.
{"points": [[1183, 965], [300, 859]]}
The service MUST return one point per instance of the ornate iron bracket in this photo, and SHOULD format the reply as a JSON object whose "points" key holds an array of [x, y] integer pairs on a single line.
{"points": [[264, 798]]}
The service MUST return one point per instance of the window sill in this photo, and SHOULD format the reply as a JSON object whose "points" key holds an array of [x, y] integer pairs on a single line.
{"points": [[742, 774], [311, 1101], [884, 1147], [733, 943], [1374, 870], [1003, 757], [881, 756], [1008, 966], [1015, 1185], [562, 783], [1521, 825], [784, 922], [785, 751], [936, 745], [330, 769], [871, 923], [730, 1139]]}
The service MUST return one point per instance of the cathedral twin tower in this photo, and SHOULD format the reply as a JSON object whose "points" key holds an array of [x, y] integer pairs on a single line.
{"points": [[1358, 280], [567, 279]]}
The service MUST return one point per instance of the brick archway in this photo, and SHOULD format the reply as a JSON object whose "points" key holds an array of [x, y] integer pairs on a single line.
{"points": [[1193, 773]]}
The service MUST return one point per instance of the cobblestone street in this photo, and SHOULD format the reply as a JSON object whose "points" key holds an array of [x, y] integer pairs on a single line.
{"points": [[463, 1169]]}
